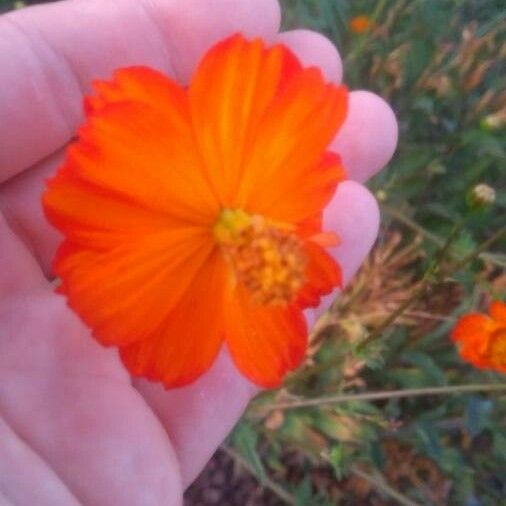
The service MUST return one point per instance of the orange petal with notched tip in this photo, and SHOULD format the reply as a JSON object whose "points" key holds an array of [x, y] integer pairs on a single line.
{"points": [[230, 93], [140, 85], [263, 122], [150, 156], [265, 341], [323, 275], [126, 293], [289, 161], [189, 338], [297, 198]]}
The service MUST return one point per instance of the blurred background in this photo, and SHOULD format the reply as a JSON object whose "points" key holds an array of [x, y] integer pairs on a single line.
{"points": [[412, 423]]}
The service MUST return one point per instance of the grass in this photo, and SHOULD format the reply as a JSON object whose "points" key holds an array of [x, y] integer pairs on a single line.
{"points": [[383, 402]]}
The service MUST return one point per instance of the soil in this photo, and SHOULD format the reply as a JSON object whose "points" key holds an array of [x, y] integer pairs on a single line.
{"points": [[222, 483]]}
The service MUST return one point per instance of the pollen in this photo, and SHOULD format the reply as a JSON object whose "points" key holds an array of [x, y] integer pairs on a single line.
{"points": [[266, 258]]}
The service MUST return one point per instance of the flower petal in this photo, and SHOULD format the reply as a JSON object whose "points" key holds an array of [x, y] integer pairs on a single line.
{"points": [[125, 294], [289, 161], [323, 274], [137, 84], [233, 86], [472, 333], [187, 342], [96, 218], [263, 122], [142, 150], [299, 197], [498, 311], [265, 341]]}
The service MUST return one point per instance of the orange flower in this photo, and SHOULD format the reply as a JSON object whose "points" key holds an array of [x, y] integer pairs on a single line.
{"points": [[192, 217], [482, 339], [361, 24]]}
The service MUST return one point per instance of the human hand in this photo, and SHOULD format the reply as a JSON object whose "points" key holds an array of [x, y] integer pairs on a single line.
{"points": [[75, 428]]}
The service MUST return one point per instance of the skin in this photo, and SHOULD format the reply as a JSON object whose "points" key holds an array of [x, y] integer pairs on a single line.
{"points": [[74, 427]]}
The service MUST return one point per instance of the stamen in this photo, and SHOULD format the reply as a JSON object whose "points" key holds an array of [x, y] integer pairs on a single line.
{"points": [[267, 258]]}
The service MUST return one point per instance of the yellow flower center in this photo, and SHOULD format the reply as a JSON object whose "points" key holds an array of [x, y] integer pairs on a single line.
{"points": [[497, 348], [267, 258]]}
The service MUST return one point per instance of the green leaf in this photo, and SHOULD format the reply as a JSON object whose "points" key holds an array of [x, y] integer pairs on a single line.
{"points": [[477, 415], [429, 438], [435, 14], [303, 493], [464, 245], [451, 461], [376, 454], [499, 447], [427, 365], [408, 378], [245, 440], [337, 460], [418, 58]]}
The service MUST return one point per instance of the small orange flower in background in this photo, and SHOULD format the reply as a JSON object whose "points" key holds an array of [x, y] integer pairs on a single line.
{"points": [[192, 217], [482, 339], [361, 24]]}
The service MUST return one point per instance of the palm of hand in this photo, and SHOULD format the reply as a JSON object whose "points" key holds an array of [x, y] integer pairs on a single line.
{"points": [[74, 429]]}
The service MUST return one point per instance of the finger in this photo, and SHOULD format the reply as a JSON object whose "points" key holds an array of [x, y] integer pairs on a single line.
{"points": [[107, 448], [25, 478], [42, 85], [20, 201], [194, 25], [313, 48], [368, 138], [199, 416], [4, 501], [354, 215], [19, 270], [69, 398]]}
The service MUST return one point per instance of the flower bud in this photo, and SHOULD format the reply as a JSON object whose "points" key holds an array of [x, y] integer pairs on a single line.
{"points": [[361, 24], [381, 195], [481, 196], [494, 122]]}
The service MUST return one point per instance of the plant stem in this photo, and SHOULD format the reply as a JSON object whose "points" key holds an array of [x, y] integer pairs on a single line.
{"points": [[267, 482], [392, 394], [438, 241], [417, 294], [424, 283], [480, 249], [413, 225]]}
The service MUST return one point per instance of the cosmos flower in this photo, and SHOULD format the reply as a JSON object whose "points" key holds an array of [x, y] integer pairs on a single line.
{"points": [[482, 339], [192, 217], [361, 24]]}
